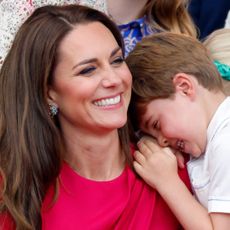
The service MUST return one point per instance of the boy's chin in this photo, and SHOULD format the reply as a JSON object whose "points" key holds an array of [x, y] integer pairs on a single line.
{"points": [[196, 154]]}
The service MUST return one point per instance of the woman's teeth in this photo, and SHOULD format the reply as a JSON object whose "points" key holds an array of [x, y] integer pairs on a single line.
{"points": [[108, 101]]}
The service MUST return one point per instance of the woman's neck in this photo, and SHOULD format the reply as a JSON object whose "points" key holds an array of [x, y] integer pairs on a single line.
{"points": [[95, 157], [125, 11]]}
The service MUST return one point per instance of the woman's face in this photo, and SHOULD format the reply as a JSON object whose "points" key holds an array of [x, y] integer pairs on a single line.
{"points": [[92, 83]]}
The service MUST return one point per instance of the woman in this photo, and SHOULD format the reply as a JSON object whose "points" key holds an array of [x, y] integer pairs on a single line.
{"points": [[65, 155]]}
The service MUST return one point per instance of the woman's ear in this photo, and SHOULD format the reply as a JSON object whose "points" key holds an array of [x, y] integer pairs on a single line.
{"points": [[184, 83], [51, 101], [51, 95]]}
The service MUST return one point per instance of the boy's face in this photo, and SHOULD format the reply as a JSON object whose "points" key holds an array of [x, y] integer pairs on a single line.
{"points": [[176, 122]]}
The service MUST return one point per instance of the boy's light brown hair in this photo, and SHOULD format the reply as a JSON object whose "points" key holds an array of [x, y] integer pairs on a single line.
{"points": [[158, 58]]}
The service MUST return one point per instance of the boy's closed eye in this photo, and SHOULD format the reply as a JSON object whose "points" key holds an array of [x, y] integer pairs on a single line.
{"points": [[156, 125]]}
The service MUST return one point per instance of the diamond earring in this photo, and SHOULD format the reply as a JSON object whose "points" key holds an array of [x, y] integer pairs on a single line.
{"points": [[53, 110]]}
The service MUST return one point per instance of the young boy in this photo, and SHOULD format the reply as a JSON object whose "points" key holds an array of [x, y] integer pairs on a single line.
{"points": [[178, 99]]}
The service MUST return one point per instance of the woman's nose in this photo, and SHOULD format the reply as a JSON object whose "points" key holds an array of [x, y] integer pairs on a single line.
{"points": [[111, 78]]}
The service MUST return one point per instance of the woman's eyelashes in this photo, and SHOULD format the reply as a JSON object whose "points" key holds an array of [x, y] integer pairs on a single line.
{"points": [[90, 69], [118, 60], [87, 70]]}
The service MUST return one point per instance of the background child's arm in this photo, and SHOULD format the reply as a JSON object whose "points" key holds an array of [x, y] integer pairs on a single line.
{"points": [[158, 167]]}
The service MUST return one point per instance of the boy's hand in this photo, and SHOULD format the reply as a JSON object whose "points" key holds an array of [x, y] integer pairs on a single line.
{"points": [[180, 159], [156, 165]]}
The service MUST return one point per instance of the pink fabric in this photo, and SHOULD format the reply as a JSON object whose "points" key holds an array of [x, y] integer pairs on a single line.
{"points": [[6, 223], [123, 203]]}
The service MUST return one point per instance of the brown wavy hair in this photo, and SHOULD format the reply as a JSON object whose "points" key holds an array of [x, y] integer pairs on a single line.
{"points": [[30, 141]]}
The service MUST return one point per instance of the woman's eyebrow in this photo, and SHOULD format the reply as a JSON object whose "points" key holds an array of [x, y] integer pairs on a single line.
{"points": [[86, 61], [115, 51], [90, 60]]}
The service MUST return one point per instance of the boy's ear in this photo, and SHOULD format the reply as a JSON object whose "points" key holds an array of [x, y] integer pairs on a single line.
{"points": [[184, 84]]}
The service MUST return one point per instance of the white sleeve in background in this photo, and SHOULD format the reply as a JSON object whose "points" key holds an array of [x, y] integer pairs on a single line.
{"points": [[227, 21]]}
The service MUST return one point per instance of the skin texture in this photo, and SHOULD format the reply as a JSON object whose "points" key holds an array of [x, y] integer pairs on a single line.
{"points": [[173, 121], [92, 88], [82, 79], [125, 11], [167, 121]]}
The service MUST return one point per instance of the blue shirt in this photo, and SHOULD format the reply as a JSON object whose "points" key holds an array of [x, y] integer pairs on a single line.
{"points": [[134, 31]]}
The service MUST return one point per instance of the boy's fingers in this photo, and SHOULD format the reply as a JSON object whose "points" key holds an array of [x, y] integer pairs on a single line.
{"points": [[144, 149], [146, 137], [169, 152], [138, 168], [148, 145], [142, 173], [180, 159], [139, 157], [151, 143]]}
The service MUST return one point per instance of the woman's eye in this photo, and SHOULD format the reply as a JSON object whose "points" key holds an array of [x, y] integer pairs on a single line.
{"points": [[87, 70], [118, 60]]}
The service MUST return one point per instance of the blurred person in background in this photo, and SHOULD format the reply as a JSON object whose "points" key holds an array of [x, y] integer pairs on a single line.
{"points": [[218, 43], [135, 19], [208, 15]]}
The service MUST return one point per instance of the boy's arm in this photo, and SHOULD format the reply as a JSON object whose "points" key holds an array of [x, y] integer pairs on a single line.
{"points": [[158, 167], [220, 220]]}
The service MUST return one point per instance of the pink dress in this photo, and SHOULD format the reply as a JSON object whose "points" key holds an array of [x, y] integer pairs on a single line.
{"points": [[123, 203]]}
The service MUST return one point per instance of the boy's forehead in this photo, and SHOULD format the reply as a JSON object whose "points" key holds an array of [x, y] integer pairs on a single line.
{"points": [[142, 108]]}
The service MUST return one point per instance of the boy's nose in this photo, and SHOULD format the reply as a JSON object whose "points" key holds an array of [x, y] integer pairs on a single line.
{"points": [[162, 141]]}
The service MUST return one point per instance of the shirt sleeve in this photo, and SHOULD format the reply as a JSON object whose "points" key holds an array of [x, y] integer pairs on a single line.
{"points": [[219, 168]]}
